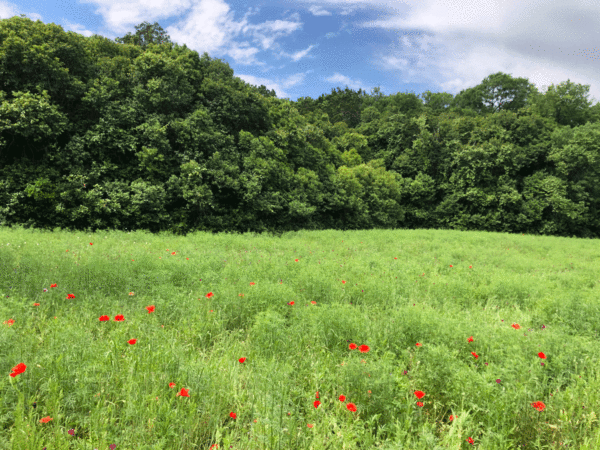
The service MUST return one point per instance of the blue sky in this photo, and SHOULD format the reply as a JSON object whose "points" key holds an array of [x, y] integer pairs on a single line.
{"points": [[304, 48]]}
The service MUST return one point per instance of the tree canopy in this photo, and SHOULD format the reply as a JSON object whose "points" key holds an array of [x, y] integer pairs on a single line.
{"points": [[143, 133]]}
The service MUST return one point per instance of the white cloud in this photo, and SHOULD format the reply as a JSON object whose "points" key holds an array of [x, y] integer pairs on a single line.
{"points": [[343, 80], [277, 86], [79, 29], [318, 11], [8, 10], [300, 54], [456, 44], [244, 56]]}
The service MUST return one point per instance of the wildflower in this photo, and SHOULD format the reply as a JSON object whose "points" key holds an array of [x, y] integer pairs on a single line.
{"points": [[183, 392], [539, 406], [18, 369]]}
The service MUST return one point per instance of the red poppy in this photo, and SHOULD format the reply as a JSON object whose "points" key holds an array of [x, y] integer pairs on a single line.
{"points": [[18, 369], [183, 392], [539, 406]]}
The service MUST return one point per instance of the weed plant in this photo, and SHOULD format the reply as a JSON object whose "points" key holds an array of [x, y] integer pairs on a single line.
{"points": [[388, 339]]}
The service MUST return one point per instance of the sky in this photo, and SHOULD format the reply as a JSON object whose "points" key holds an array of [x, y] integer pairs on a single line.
{"points": [[306, 48]]}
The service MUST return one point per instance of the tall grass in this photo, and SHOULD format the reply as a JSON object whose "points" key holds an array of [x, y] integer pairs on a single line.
{"points": [[416, 339]]}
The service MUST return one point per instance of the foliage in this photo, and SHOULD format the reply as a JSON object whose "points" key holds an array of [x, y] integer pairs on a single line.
{"points": [[96, 134]]}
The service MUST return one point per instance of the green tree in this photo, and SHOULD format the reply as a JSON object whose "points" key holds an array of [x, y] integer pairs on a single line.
{"points": [[145, 35], [496, 92], [437, 101], [342, 106], [567, 103]]}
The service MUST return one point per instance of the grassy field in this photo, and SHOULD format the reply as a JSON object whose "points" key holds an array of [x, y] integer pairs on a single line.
{"points": [[417, 339]]}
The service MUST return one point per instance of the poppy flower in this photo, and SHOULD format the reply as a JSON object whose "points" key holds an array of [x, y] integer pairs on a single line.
{"points": [[539, 406], [183, 392], [18, 369]]}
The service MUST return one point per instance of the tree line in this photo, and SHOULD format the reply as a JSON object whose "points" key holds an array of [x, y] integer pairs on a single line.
{"points": [[142, 133]]}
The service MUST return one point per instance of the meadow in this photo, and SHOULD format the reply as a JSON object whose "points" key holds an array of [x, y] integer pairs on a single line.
{"points": [[387, 339]]}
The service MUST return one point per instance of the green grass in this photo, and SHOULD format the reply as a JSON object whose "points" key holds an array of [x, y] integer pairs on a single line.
{"points": [[387, 290]]}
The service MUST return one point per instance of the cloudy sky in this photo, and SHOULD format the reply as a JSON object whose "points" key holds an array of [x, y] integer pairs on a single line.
{"points": [[304, 48]]}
